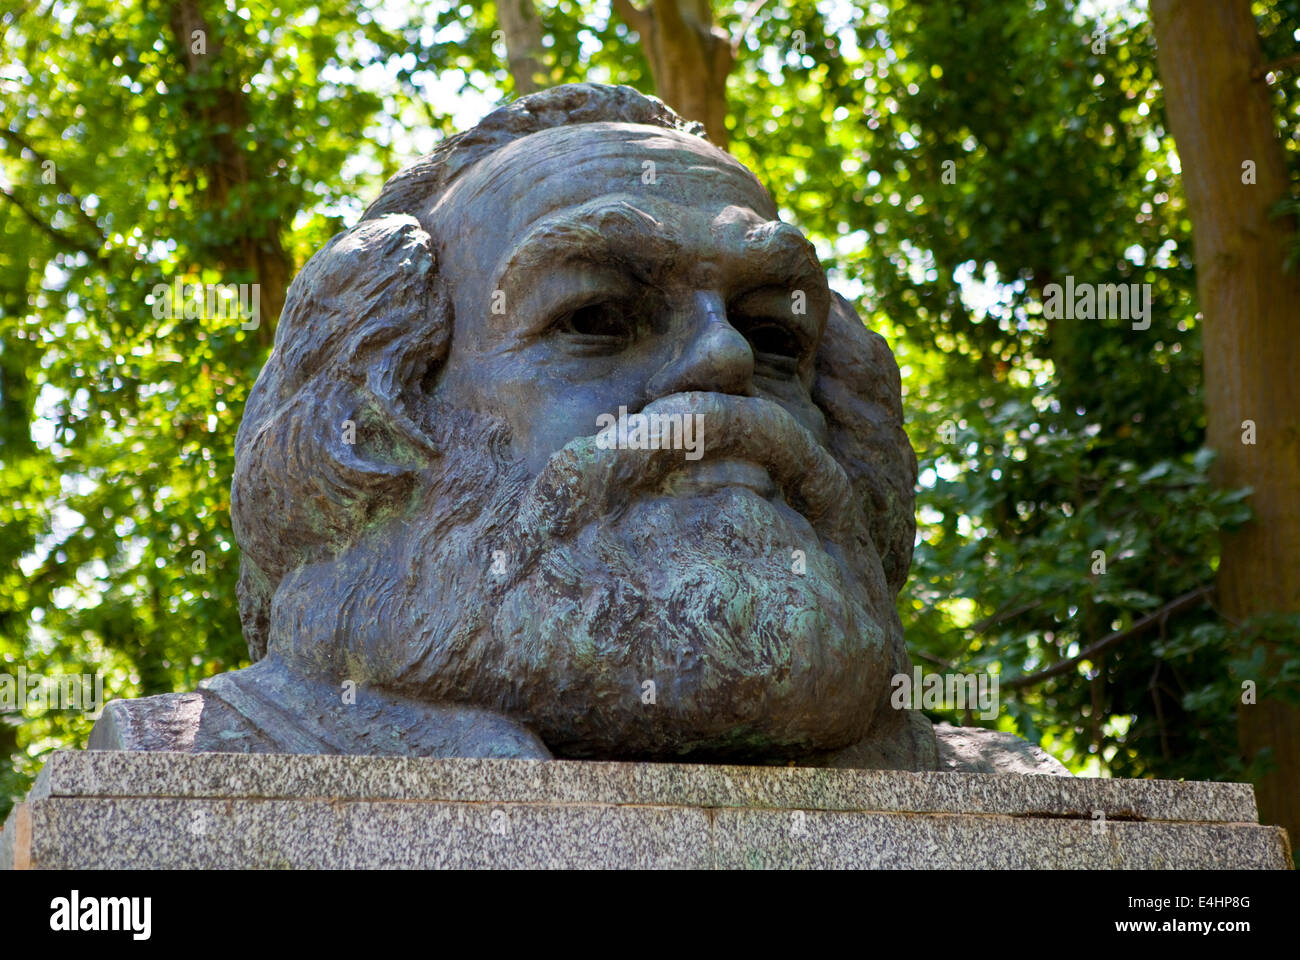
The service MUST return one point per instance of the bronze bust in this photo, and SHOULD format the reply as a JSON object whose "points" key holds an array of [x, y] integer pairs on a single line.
{"points": [[568, 450]]}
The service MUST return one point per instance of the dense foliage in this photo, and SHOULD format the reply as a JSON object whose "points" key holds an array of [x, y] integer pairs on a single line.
{"points": [[949, 159]]}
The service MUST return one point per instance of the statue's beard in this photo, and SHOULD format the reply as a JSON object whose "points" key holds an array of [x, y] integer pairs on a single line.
{"points": [[613, 617]]}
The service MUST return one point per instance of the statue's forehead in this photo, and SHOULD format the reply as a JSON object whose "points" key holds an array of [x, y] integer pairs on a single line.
{"points": [[567, 166]]}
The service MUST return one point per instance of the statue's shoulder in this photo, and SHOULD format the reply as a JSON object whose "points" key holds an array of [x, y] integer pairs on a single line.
{"points": [[976, 750], [184, 722], [243, 711]]}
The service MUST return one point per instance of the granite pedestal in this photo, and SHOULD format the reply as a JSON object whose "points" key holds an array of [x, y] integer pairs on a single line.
{"points": [[106, 809]]}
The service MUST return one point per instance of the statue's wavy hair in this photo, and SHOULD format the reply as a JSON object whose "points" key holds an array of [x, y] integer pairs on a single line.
{"points": [[335, 429]]}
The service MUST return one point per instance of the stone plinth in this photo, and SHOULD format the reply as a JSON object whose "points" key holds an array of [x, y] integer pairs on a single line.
{"points": [[105, 809]]}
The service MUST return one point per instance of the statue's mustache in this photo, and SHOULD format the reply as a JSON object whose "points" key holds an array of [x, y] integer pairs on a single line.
{"points": [[587, 478]]}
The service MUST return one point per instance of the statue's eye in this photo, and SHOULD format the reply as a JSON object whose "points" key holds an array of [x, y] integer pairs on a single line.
{"points": [[777, 349], [604, 326], [774, 339]]}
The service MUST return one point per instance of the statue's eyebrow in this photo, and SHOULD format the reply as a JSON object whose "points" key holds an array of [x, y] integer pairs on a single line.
{"points": [[601, 231], [609, 230], [777, 242]]}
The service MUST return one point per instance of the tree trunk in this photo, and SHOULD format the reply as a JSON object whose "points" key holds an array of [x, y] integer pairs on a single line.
{"points": [[523, 30], [689, 57], [256, 249], [1222, 118]]}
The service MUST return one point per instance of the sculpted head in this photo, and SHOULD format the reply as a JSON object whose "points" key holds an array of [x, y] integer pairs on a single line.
{"points": [[427, 505]]}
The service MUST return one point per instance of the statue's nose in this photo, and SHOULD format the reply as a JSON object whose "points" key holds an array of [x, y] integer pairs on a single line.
{"points": [[716, 356]]}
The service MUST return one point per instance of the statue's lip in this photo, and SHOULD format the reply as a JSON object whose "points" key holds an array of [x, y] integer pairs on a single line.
{"points": [[707, 476]]}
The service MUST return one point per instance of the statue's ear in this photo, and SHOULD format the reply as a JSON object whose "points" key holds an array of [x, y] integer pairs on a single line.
{"points": [[326, 436], [857, 387], [363, 297], [363, 322]]}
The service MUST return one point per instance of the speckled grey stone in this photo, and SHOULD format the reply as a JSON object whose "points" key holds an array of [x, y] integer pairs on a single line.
{"points": [[98, 809], [71, 773], [171, 834], [14, 849], [795, 839]]}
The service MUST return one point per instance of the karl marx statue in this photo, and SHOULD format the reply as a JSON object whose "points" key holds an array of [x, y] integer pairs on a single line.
{"points": [[448, 547]]}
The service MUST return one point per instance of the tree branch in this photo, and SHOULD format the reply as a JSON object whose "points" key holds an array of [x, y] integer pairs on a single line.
{"points": [[746, 19], [65, 240], [59, 181], [1266, 68], [638, 20], [1155, 617], [938, 661], [1004, 614]]}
